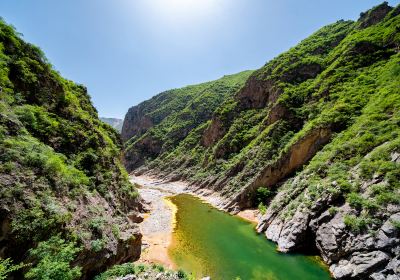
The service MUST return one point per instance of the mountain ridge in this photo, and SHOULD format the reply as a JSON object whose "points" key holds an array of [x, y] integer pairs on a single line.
{"points": [[114, 122], [312, 135]]}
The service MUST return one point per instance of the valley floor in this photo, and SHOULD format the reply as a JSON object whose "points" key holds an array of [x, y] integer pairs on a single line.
{"points": [[158, 224]]}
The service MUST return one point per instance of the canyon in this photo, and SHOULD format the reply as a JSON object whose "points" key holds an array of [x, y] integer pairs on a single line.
{"points": [[310, 142], [317, 127]]}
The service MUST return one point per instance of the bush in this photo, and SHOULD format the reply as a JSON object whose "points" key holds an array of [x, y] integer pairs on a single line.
{"points": [[7, 267], [181, 274], [332, 210], [38, 221], [158, 267], [262, 195], [141, 268], [97, 245], [52, 260], [262, 208], [357, 224], [118, 271]]}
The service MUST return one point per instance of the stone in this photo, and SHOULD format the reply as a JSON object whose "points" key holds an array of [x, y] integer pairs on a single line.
{"points": [[388, 228], [274, 230], [135, 217], [127, 277], [359, 265], [395, 157], [294, 232]]}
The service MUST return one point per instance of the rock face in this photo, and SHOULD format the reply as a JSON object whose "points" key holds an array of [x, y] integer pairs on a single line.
{"points": [[135, 123], [256, 94], [350, 255], [299, 154], [374, 15]]}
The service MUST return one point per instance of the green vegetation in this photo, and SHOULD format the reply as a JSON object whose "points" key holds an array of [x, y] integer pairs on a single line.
{"points": [[7, 267], [120, 270], [342, 82], [59, 168], [142, 271], [176, 113], [53, 258]]}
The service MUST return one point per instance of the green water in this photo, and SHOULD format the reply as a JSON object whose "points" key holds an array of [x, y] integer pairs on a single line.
{"points": [[208, 242]]}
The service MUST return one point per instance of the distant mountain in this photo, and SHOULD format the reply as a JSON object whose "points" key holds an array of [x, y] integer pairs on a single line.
{"points": [[115, 123]]}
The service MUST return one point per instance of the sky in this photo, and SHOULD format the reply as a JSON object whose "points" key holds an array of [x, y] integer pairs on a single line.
{"points": [[126, 51]]}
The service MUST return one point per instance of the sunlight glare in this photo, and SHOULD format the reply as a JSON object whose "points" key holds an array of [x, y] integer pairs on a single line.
{"points": [[183, 11]]}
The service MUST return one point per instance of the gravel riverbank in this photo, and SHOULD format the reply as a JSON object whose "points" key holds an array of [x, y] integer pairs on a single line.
{"points": [[158, 223], [157, 226]]}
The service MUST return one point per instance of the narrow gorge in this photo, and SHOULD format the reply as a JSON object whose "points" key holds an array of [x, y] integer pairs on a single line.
{"points": [[290, 171]]}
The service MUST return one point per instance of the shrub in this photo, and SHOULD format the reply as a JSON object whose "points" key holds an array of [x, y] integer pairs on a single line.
{"points": [[355, 200], [38, 221], [141, 268], [97, 245], [118, 271], [181, 274], [52, 260], [7, 267], [357, 224], [262, 195], [396, 224], [262, 208], [332, 210], [158, 267]]}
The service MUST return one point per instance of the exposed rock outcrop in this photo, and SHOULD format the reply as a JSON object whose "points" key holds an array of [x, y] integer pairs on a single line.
{"points": [[257, 94], [213, 133], [299, 153], [135, 123], [375, 15]]}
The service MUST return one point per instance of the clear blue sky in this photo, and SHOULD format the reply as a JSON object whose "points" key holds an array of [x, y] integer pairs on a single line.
{"points": [[126, 51]]}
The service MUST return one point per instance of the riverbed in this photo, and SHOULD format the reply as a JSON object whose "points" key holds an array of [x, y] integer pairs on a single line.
{"points": [[184, 232]]}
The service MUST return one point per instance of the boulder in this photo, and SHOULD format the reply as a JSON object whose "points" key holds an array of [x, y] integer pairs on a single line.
{"points": [[359, 265]]}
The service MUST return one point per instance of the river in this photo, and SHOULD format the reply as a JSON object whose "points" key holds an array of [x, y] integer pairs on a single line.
{"points": [[208, 242]]}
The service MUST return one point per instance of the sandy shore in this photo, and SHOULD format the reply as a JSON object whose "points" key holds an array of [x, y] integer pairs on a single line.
{"points": [[249, 215], [158, 225]]}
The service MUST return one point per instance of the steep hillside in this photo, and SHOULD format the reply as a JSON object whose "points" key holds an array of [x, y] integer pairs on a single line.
{"points": [[64, 195], [157, 126], [115, 123], [314, 135]]}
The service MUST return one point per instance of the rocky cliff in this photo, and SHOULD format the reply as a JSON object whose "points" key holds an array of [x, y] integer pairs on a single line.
{"points": [[65, 198], [319, 127], [158, 125]]}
